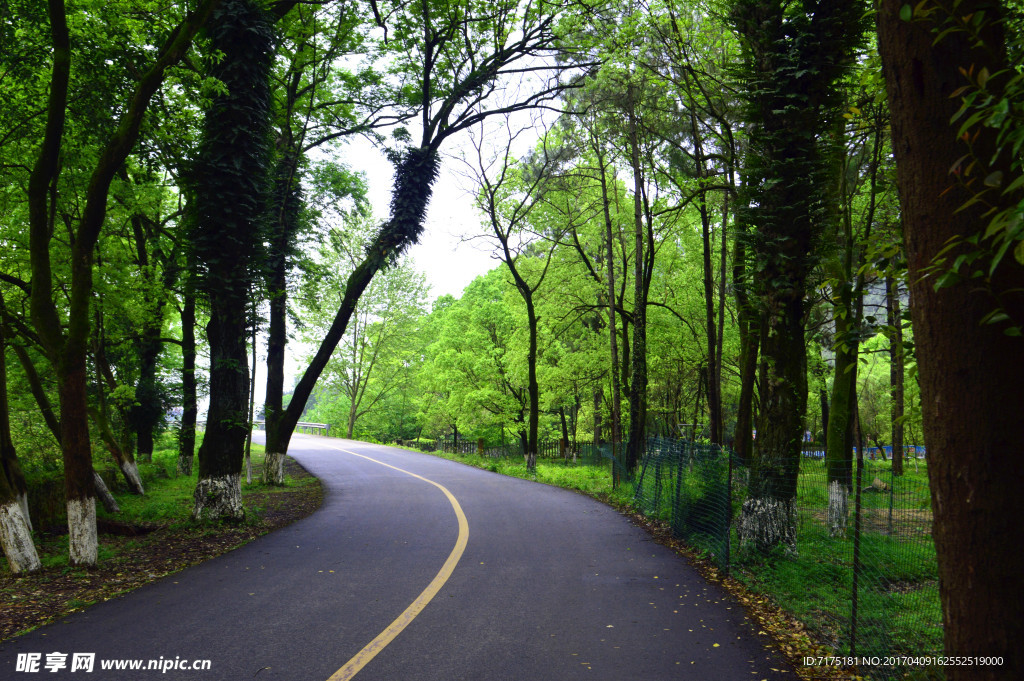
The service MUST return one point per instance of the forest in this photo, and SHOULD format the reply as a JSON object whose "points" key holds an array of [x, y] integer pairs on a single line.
{"points": [[755, 224]]}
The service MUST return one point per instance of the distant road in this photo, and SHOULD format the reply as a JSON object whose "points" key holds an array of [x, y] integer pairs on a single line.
{"points": [[531, 583]]}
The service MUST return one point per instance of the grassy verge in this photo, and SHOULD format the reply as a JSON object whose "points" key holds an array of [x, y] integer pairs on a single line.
{"points": [[151, 537], [592, 480], [794, 601]]}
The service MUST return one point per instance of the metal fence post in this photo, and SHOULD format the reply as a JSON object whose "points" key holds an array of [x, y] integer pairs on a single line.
{"points": [[728, 510]]}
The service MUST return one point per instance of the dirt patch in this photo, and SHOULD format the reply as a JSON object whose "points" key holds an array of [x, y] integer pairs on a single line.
{"points": [[146, 553]]}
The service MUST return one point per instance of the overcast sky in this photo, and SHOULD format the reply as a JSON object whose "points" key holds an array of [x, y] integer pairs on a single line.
{"points": [[444, 254]]}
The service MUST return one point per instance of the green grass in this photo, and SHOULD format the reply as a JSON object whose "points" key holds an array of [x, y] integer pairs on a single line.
{"points": [[166, 503], [593, 480], [898, 598], [168, 497]]}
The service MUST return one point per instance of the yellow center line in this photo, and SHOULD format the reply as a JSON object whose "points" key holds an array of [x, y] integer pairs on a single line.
{"points": [[360, 659]]}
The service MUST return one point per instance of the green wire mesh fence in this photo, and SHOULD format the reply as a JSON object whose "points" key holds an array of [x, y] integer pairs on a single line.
{"points": [[856, 562]]}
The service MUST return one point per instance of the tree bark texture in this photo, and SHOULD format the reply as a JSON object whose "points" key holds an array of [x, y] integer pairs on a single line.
{"points": [[970, 373], [637, 443], [221, 453], [287, 202], [189, 403], [839, 435], [615, 400], [230, 187], [793, 60], [743, 442]]}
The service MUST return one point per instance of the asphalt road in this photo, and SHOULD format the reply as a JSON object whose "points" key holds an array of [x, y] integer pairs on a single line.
{"points": [[551, 585]]}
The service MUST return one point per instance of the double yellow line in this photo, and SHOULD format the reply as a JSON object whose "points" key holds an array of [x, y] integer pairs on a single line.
{"points": [[360, 659]]}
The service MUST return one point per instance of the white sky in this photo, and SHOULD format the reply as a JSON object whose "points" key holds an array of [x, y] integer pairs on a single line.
{"points": [[444, 254]]}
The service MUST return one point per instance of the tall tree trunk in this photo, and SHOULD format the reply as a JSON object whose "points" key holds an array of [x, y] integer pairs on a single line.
{"points": [[638, 375], [839, 435], [894, 318], [189, 408], [973, 437], [714, 372], [66, 354], [749, 343], [285, 221], [230, 195], [790, 55], [533, 386], [615, 399], [252, 405], [147, 411]]}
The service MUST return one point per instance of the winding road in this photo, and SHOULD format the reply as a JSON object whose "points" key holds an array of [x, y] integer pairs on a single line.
{"points": [[420, 569]]}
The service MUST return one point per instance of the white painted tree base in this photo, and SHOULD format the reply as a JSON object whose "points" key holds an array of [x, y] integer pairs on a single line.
{"points": [[273, 468], [16, 539], [23, 502], [131, 475], [767, 522], [82, 541], [838, 505], [218, 497]]}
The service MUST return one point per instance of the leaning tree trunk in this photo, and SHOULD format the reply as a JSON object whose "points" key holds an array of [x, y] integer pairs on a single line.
{"points": [[15, 531], [415, 174], [970, 372], [122, 457]]}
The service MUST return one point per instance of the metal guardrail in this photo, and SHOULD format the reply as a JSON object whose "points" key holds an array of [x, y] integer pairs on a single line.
{"points": [[301, 427]]}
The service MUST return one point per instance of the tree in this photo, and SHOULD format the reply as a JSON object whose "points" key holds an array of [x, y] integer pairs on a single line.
{"points": [[508, 196], [371, 360], [794, 55], [230, 182], [970, 371], [67, 349], [848, 288], [457, 61]]}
